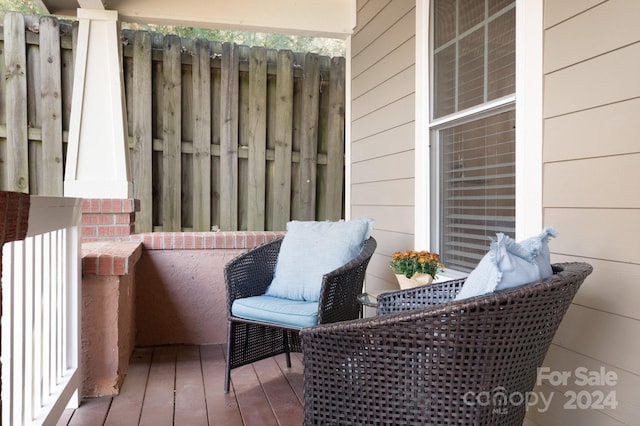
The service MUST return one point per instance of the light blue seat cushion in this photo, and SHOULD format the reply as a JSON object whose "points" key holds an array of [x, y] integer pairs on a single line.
{"points": [[295, 313], [311, 249], [510, 264]]}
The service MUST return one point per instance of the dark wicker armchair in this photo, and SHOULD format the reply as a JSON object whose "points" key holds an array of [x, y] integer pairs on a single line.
{"points": [[426, 359], [250, 274]]}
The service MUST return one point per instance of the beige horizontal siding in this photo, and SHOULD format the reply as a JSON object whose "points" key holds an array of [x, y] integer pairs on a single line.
{"points": [[389, 218], [612, 129], [607, 234], [606, 79], [593, 182], [396, 87], [386, 193], [594, 32], [611, 339], [387, 142], [391, 64], [391, 167], [608, 286], [556, 11], [396, 114], [385, 45], [376, 15], [626, 384], [382, 128]]}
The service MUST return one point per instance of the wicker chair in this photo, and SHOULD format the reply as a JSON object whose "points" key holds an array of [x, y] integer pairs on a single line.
{"points": [[427, 359], [250, 274]]}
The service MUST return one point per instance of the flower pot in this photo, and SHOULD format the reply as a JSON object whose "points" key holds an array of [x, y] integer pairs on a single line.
{"points": [[415, 281]]}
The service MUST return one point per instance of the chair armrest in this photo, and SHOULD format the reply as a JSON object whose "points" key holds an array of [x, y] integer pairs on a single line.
{"points": [[418, 297], [250, 273], [340, 288]]}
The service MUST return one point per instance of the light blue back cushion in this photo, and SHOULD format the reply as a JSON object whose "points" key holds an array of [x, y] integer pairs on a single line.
{"points": [[311, 249], [509, 264]]}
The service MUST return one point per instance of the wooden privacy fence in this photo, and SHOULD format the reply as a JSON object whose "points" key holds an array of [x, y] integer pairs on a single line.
{"points": [[221, 136]]}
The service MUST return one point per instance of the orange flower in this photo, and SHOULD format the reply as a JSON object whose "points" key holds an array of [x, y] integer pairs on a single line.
{"points": [[411, 262]]}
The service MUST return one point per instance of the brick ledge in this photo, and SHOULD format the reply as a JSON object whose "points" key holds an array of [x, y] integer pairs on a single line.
{"points": [[110, 257], [204, 240]]}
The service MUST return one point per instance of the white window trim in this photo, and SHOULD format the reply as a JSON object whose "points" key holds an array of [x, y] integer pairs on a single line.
{"points": [[529, 39]]}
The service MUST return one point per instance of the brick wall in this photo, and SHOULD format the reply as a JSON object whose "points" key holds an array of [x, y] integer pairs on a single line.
{"points": [[108, 219]]}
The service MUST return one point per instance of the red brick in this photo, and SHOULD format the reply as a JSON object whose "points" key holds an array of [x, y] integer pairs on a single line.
{"points": [[97, 219], [114, 231], [120, 266], [88, 231], [177, 240], [89, 265], [105, 265], [123, 218]]}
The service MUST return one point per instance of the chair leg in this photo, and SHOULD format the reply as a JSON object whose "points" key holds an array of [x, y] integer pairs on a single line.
{"points": [[285, 336], [227, 372]]}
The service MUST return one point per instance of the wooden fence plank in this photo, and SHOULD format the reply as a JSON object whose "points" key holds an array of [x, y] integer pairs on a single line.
{"points": [[335, 140], [202, 135], [243, 138], [67, 61], [157, 43], [171, 129], [17, 161], [34, 106], [283, 137], [187, 121], [323, 112], [216, 116], [257, 128], [229, 138], [142, 149], [51, 92], [309, 137]]}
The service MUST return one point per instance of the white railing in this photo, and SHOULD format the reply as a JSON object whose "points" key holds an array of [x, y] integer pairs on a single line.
{"points": [[41, 279]]}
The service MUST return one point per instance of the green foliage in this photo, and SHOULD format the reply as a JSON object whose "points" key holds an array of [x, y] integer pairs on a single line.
{"points": [[22, 6], [321, 46]]}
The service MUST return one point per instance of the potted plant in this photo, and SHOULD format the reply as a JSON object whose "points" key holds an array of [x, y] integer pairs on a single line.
{"points": [[413, 268]]}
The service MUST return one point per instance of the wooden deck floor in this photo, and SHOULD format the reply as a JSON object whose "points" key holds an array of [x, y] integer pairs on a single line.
{"points": [[182, 385]]}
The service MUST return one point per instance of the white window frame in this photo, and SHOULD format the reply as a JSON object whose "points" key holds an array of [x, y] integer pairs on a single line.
{"points": [[528, 99]]}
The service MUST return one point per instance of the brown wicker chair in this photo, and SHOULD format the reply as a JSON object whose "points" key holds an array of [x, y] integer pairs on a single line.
{"points": [[426, 358], [250, 274]]}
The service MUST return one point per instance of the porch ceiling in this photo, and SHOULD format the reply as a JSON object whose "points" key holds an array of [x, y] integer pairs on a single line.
{"points": [[320, 18]]}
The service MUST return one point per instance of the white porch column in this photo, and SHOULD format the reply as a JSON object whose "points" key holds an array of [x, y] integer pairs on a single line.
{"points": [[98, 154]]}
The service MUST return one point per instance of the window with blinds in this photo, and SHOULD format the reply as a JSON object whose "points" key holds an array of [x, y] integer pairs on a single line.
{"points": [[478, 187], [473, 52]]}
